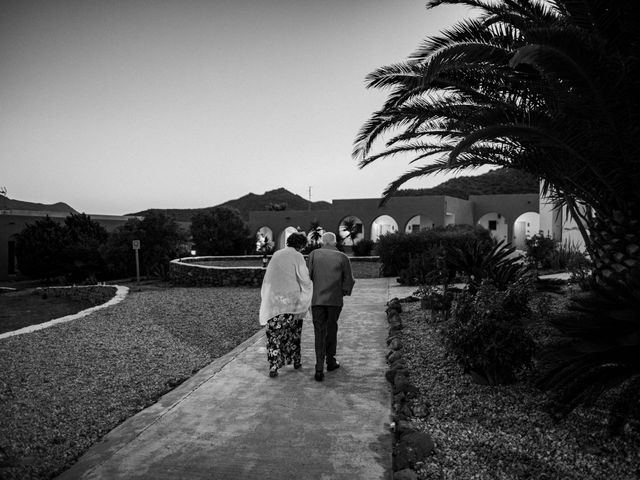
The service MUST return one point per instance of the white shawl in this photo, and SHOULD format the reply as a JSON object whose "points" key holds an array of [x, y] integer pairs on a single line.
{"points": [[286, 287]]}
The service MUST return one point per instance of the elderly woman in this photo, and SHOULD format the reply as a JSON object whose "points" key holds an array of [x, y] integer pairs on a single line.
{"points": [[286, 298]]}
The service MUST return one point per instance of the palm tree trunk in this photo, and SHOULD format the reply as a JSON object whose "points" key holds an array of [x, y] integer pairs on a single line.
{"points": [[615, 237]]}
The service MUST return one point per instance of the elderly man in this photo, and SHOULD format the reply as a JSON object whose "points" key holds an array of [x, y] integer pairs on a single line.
{"points": [[332, 278]]}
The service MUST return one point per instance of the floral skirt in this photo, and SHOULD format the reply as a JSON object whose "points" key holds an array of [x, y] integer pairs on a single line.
{"points": [[283, 340]]}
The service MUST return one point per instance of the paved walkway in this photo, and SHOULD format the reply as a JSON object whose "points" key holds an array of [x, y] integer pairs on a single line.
{"points": [[231, 421]]}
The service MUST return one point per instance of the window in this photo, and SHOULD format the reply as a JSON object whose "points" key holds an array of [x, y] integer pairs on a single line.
{"points": [[493, 225]]}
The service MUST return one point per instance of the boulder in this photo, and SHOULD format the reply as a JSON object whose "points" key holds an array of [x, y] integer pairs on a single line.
{"points": [[415, 447], [405, 474]]}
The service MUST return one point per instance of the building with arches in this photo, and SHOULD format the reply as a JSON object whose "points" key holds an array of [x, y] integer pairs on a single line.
{"points": [[512, 217]]}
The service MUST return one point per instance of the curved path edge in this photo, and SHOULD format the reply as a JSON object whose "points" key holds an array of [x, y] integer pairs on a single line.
{"points": [[121, 293]]}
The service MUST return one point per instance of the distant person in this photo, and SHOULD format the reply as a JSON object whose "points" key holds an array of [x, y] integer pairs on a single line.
{"points": [[286, 297], [330, 271]]}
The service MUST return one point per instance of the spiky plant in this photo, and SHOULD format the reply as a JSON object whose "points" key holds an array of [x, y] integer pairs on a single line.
{"points": [[548, 87]]}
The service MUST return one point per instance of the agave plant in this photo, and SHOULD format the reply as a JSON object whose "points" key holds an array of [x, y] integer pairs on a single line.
{"points": [[497, 264], [600, 352]]}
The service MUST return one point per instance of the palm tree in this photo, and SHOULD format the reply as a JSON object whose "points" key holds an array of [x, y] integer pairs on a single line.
{"points": [[350, 226], [548, 87]]}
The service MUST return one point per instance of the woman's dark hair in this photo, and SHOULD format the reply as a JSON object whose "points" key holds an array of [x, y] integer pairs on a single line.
{"points": [[297, 240]]}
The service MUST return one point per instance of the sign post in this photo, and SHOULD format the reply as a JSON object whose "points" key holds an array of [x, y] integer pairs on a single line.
{"points": [[136, 247]]}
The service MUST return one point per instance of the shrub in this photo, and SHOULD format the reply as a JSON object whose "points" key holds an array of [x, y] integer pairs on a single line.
{"points": [[363, 248], [498, 264], [39, 249], [541, 250], [487, 333], [221, 231], [397, 250]]}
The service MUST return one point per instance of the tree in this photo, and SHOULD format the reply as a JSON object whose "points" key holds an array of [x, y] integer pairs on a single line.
{"points": [[160, 241], [39, 249], [550, 88], [83, 240], [350, 227], [221, 231]]}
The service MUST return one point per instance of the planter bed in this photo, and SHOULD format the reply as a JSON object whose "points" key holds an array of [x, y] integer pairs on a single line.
{"points": [[505, 432]]}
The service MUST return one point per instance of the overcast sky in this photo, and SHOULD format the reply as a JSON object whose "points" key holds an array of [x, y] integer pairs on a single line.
{"points": [[118, 106]]}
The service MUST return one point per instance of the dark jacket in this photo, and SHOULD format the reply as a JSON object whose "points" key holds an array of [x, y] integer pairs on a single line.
{"points": [[330, 271]]}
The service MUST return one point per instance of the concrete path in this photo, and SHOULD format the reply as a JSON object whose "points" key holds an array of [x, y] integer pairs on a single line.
{"points": [[231, 421]]}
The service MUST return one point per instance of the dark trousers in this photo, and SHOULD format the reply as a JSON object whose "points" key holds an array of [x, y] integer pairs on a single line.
{"points": [[325, 328]]}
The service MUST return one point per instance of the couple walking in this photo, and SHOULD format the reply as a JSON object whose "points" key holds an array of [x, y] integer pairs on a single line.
{"points": [[290, 287]]}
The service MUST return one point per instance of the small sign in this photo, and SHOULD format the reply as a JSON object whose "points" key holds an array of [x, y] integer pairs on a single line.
{"points": [[136, 244]]}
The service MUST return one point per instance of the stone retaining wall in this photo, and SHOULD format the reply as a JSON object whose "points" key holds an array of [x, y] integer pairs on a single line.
{"points": [[96, 294], [245, 270], [189, 272]]}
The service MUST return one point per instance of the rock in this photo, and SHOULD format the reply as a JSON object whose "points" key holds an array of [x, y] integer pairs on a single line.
{"points": [[390, 338], [395, 329], [401, 384], [421, 410], [405, 474], [400, 460], [415, 447], [399, 397], [395, 344], [396, 364], [402, 427], [394, 356]]}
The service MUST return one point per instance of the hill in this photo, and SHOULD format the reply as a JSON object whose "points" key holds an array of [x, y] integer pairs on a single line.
{"points": [[500, 181], [7, 203], [276, 199]]}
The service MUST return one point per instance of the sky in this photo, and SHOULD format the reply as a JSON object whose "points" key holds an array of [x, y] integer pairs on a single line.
{"points": [[118, 106]]}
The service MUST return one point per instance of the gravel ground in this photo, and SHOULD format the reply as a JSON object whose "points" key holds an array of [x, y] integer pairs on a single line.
{"points": [[64, 387], [485, 432]]}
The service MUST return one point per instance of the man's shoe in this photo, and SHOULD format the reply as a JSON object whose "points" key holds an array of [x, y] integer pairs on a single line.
{"points": [[273, 373], [319, 376], [333, 367], [297, 365]]}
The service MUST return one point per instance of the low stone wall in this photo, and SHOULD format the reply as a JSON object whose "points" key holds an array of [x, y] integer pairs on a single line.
{"points": [[243, 270], [202, 272], [95, 294]]}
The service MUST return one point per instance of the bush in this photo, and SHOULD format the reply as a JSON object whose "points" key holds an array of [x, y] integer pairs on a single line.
{"points": [[540, 250], [363, 248], [487, 334], [39, 249], [498, 264], [161, 240], [397, 250], [221, 231]]}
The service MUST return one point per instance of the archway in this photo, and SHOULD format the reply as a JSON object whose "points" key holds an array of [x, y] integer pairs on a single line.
{"points": [[264, 239], [526, 226], [284, 235], [315, 235], [417, 223], [496, 224], [351, 230], [383, 225]]}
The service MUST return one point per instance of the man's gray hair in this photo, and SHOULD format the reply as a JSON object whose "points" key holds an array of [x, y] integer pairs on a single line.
{"points": [[328, 238]]}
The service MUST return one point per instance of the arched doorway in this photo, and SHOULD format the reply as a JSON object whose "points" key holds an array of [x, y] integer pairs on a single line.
{"points": [[496, 224], [526, 226], [383, 225], [264, 239], [351, 230], [284, 235], [417, 223]]}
